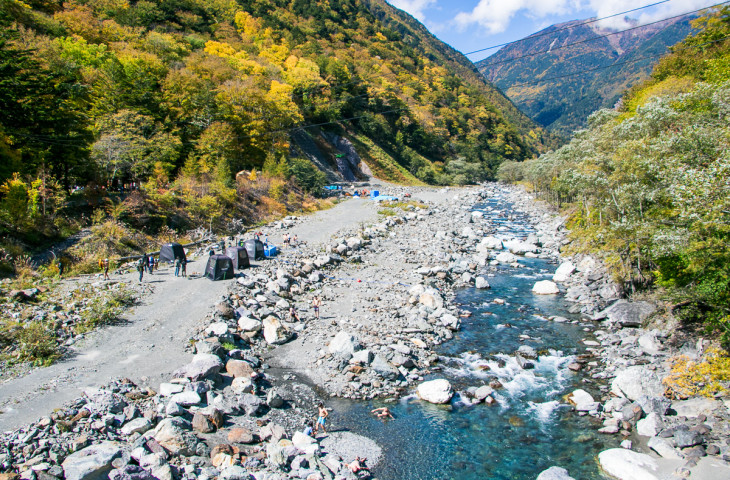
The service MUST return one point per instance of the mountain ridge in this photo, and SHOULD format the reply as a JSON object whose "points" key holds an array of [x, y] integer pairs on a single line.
{"points": [[562, 102]]}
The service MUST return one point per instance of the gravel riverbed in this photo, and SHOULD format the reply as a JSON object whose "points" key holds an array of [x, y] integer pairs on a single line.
{"points": [[234, 401]]}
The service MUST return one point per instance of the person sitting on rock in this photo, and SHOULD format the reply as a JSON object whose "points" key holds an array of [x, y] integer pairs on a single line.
{"points": [[383, 412], [309, 429], [293, 315]]}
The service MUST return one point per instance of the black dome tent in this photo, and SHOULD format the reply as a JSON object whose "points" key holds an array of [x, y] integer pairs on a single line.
{"points": [[170, 251], [220, 267], [255, 249], [239, 256]]}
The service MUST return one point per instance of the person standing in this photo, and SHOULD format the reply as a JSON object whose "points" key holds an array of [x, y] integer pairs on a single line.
{"points": [[184, 267], [60, 268], [316, 303], [177, 266], [322, 415], [140, 268], [105, 263], [150, 264]]}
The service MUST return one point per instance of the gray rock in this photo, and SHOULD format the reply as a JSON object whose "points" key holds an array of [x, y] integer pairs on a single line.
{"points": [[663, 448], [384, 369], [658, 405], [130, 472], [251, 404], [175, 436], [103, 401], [554, 473], [202, 366], [273, 399], [684, 438], [234, 472], [91, 463], [363, 357], [628, 314]]}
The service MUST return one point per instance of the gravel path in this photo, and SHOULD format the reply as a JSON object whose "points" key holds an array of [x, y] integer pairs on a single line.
{"points": [[150, 344]]}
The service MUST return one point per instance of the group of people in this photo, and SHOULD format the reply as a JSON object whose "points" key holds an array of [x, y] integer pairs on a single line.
{"points": [[290, 240], [181, 267]]}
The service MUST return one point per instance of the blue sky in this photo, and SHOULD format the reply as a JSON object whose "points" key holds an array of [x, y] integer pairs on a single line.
{"points": [[469, 25]]}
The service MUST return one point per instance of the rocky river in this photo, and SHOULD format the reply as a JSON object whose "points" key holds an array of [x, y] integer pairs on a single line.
{"points": [[498, 358]]}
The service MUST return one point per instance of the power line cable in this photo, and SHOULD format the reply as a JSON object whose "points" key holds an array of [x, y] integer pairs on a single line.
{"points": [[567, 27], [527, 55]]}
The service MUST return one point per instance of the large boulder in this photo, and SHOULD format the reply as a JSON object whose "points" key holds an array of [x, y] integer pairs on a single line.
{"points": [[518, 247], [431, 299], [554, 473], [91, 463], [274, 332], [506, 258], [489, 243], [582, 401], [239, 368], [344, 344], [628, 465], [435, 391], [203, 365], [248, 324], [481, 283], [175, 436], [384, 369], [103, 401], [637, 381], [564, 271], [627, 314], [545, 287], [650, 426]]}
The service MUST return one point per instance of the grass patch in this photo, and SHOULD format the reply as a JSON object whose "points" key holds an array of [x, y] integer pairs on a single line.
{"points": [[388, 212], [381, 164], [106, 309]]}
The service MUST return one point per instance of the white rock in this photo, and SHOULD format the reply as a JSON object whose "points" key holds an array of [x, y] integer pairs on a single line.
{"points": [[506, 258], [435, 391], [247, 324], [650, 426], [627, 465], [363, 357], [545, 287], [274, 332], [167, 389], [554, 473], [483, 392], [241, 385], [564, 271], [694, 407], [217, 329], [663, 448], [186, 399], [344, 344], [91, 462], [137, 425], [635, 382], [490, 243], [481, 283], [582, 400]]}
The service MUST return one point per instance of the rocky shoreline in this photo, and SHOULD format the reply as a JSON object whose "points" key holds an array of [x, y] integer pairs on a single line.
{"points": [[237, 410]]}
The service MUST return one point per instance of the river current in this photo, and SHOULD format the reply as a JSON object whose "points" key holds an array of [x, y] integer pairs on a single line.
{"points": [[531, 428]]}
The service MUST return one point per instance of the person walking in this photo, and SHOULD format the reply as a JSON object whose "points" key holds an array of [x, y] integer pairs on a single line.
{"points": [[60, 268], [105, 263], [151, 264], [322, 415], [140, 268], [316, 303], [184, 267]]}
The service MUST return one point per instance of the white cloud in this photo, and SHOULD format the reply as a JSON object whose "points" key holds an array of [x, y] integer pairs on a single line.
{"points": [[414, 7], [495, 15]]}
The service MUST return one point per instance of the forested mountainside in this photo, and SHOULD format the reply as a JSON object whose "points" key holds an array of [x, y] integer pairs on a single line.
{"points": [[171, 99], [167, 81], [543, 85], [647, 185]]}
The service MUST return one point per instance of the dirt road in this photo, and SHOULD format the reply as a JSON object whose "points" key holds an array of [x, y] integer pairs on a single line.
{"points": [[150, 344]]}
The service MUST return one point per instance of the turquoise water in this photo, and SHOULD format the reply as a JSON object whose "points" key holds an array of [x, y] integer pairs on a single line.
{"points": [[530, 429]]}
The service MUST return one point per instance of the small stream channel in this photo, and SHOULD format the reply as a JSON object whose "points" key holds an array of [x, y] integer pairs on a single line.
{"points": [[531, 428]]}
